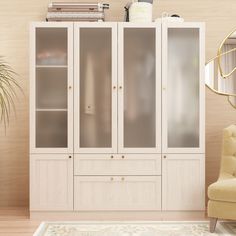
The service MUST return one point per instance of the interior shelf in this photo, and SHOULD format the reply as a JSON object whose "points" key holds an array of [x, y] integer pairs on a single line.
{"points": [[51, 109], [51, 66]]}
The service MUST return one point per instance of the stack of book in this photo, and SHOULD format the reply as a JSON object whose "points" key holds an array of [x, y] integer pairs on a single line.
{"points": [[62, 11]]}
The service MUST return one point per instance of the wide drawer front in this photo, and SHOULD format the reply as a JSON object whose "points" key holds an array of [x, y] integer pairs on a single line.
{"points": [[117, 164], [117, 193]]}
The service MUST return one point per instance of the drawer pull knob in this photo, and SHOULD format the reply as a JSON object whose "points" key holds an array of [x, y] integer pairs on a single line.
{"points": [[112, 178], [123, 178], [123, 157], [114, 87], [69, 156], [112, 157], [165, 157]]}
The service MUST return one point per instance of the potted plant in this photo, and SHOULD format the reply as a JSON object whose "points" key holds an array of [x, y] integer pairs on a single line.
{"points": [[8, 86]]}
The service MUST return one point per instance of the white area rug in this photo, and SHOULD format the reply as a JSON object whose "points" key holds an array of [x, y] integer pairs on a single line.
{"points": [[195, 228]]}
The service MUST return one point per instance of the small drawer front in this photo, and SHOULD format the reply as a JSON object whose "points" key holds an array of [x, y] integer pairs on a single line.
{"points": [[117, 164], [117, 193]]}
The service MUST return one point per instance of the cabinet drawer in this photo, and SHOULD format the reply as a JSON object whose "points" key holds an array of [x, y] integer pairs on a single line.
{"points": [[117, 164], [117, 193]]}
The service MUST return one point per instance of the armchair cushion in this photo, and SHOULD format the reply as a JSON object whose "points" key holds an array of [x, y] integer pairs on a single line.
{"points": [[223, 190]]}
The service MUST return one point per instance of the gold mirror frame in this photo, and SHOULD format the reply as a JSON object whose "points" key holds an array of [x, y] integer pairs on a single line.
{"points": [[233, 105], [220, 54], [228, 95]]}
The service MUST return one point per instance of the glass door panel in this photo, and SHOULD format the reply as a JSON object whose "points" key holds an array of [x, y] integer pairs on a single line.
{"points": [[139, 88], [51, 88], [51, 46], [52, 78], [51, 127], [95, 88], [183, 88]]}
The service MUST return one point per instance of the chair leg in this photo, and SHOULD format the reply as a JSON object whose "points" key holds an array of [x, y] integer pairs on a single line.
{"points": [[213, 222]]}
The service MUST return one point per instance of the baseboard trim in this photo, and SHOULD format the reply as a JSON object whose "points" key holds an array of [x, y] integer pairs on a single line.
{"points": [[120, 216]]}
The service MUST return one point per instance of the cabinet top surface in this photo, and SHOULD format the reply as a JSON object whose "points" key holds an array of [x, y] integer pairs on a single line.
{"points": [[44, 23]]}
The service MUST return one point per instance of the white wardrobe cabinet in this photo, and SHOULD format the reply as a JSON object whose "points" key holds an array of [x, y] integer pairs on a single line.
{"points": [[116, 117]]}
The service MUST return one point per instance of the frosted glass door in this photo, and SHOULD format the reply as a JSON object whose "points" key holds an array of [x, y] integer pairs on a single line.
{"points": [[182, 107], [95, 95], [52, 99], [139, 89]]}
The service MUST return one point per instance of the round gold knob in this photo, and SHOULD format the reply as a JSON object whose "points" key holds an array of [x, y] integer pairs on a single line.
{"points": [[120, 87], [112, 178], [114, 87], [123, 178], [123, 157], [112, 157], [70, 87], [164, 156]]}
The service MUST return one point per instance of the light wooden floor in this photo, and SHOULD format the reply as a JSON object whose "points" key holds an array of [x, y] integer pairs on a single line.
{"points": [[16, 222]]}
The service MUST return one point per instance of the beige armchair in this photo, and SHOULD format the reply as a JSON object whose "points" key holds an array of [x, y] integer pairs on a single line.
{"points": [[222, 194]]}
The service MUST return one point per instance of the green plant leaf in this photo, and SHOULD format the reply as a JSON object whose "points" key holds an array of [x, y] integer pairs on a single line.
{"points": [[8, 87]]}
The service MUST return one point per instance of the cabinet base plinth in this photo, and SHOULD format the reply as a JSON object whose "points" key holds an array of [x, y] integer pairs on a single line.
{"points": [[119, 215]]}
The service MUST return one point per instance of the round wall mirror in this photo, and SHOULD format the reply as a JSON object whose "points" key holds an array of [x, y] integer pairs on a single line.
{"points": [[220, 72]]}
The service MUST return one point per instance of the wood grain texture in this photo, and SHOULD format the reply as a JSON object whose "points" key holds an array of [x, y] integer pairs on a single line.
{"points": [[51, 182], [176, 170], [127, 193], [16, 222], [118, 164], [14, 42]]}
